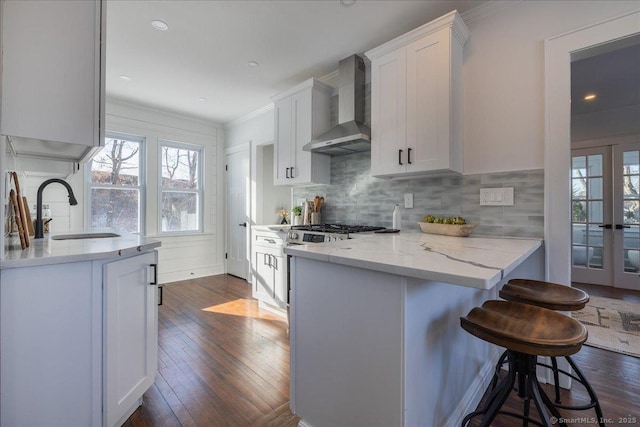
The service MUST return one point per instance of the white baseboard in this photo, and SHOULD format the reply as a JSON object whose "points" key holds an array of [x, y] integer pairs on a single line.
{"points": [[175, 276], [303, 423], [472, 397]]}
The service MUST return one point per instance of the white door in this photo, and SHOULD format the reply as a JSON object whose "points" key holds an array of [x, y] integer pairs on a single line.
{"points": [[606, 215], [626, 216], [237, 206], [591, 216]]}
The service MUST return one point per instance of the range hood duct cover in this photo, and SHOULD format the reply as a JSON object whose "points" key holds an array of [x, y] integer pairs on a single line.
{"points": [[351, 135]]}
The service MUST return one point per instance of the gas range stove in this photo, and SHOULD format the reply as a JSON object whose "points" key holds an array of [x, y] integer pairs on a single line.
{"points": [[320, 233]]}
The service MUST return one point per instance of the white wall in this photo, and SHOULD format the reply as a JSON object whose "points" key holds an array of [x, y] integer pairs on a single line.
{"points": [[256, 127], [504, 79], [257, 130]]}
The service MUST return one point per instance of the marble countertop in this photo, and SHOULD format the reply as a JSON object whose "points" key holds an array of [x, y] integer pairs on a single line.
{"points": [[47, 251], [475, 261]]}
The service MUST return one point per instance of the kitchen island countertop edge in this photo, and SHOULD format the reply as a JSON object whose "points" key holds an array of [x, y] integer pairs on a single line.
{"points": [[475, 261]]}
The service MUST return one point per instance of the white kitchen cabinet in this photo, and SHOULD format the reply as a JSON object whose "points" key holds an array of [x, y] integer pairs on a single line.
{"points": [[301, 114], [416, 100], [53, 62], [130, 334], [78, 341], [270, 280]]}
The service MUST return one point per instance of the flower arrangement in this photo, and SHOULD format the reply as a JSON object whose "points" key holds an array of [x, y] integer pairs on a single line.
{"points": [[284, 215]]}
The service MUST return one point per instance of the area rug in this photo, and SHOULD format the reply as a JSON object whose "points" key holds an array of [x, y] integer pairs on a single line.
{"points": [[612, 324]]}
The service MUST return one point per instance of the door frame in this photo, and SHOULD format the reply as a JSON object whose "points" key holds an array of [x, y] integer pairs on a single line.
{"points": [[557, 209], [246, 148]]}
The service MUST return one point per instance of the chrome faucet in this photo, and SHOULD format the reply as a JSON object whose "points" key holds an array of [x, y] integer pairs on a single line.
{"points": [[39, 231]]}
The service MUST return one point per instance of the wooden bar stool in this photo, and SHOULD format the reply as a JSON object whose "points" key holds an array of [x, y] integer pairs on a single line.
{"points": [[553, 297], [526, 331]]}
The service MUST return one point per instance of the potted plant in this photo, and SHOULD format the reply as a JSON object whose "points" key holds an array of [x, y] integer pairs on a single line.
{"points": [[297, 215]]}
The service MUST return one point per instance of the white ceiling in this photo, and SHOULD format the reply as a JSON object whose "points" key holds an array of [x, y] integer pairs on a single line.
{"points": [[205, 51]]}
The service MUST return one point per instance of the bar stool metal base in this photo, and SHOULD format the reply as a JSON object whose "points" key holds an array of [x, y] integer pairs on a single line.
{"points": [[579, 377], [522, 367]]}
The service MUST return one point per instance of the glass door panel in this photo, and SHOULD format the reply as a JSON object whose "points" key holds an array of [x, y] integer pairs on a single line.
{"points": [[591, 215], [627, 215]]}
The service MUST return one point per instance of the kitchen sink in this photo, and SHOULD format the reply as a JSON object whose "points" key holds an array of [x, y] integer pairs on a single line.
{"points": [[84, 236]]}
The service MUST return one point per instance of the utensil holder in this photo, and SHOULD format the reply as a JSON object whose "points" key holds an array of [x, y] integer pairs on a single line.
{"points": [[297, 220], [315, 218]]}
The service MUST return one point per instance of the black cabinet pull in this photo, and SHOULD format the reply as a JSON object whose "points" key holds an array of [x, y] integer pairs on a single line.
{"points": [[409, 156], [155, 274], [607, 226], [244, 224], [160, 289], [291, 171], [287, 172], [620, 226], [400, 157]]}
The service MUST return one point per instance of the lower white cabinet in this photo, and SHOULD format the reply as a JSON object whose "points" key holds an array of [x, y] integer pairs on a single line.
{"points": [[130, 334], [78, 341], [269, 264]]}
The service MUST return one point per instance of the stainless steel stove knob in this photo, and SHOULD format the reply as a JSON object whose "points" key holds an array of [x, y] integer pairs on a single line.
{"points": [[293, 235]]}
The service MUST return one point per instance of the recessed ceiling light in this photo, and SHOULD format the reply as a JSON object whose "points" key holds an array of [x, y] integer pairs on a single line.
{"points": [[203, 99], [125, 77], [252, 64], [590, 97], [348, 3], [159, 25]]}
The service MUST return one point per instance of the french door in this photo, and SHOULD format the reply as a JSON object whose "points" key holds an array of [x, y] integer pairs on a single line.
{"points": [[605, 206]]}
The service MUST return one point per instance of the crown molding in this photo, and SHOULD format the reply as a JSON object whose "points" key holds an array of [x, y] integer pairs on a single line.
{"points": [[252, 115], [492, 7]]}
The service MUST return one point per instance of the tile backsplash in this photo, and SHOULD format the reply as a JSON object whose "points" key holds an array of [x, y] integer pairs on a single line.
{"points": [[355, 197]]}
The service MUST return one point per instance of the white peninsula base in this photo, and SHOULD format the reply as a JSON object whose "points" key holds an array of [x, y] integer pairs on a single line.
{"points": [[369, 348]]}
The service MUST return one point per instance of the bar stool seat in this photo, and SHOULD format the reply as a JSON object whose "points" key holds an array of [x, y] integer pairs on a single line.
{"points": [[527, 331], [544, 294], [525, 328]]}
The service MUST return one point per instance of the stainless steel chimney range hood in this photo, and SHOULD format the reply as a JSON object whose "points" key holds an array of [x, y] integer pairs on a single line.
{"points": [[351, 135]]}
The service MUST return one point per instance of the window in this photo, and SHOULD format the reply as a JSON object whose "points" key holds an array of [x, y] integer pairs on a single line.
{"points": [[116, 184], [180, 187]]}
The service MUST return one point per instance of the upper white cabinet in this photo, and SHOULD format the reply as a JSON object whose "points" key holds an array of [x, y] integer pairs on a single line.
{"points": [[53, 61], [301, 114], [416, 100]]}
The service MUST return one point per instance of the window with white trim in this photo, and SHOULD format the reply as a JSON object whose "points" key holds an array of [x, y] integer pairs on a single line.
{"points": [[116, 184], [180, 196]]}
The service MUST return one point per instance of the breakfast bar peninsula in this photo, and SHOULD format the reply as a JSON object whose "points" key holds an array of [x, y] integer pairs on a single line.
{"points": [[375, 331]]}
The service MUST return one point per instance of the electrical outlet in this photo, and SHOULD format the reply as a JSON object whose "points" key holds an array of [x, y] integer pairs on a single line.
{"points": [[408, 201], [496, 196]]}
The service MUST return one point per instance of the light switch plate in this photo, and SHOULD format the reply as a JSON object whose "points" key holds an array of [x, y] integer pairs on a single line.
{"points": [[408, 200], [496, 196]]}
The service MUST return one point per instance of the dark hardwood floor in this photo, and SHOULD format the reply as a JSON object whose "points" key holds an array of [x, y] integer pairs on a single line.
{"points": [[224, 362]]}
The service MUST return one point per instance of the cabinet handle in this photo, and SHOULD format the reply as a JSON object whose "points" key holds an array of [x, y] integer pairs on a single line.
{"points": [[270, 241], [400, 157], [155, 274], [160, 289], [291, 171], [409, 156], [275, 262], [607, 226], [288, 173], [620, 226], [265, 257]]}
